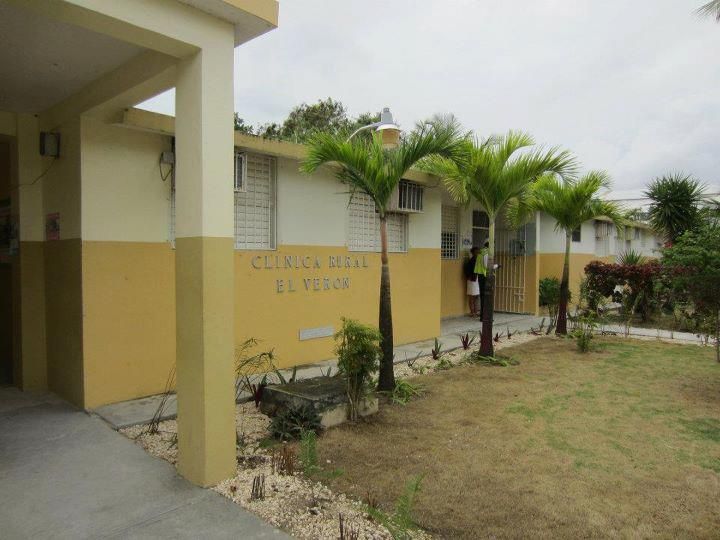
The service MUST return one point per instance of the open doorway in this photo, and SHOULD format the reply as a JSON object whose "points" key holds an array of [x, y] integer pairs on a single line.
{"points": [[6, 273]]}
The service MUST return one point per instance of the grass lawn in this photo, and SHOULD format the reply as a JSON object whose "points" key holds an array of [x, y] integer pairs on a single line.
{"points": [[623, 441]]}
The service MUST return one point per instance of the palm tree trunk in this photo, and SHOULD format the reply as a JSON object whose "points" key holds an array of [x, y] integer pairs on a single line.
{"points": [[561, 329], [386, 380], [486, 338]]}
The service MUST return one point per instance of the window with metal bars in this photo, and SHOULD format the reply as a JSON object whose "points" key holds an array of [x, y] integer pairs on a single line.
{"points": [[577, 235], [364, 226], [255, 202], [410, 196], [449, 233]]}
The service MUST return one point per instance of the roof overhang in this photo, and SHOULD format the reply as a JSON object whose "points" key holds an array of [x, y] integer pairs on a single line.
{"points": [[251, 18]]}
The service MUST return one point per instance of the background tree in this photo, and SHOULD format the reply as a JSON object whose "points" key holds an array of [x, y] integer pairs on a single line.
{"points": [[240, 125], [711, 9], [693, 262], [306, 120], [570, 203], [364, 165], [494, 172], [676, 204]]}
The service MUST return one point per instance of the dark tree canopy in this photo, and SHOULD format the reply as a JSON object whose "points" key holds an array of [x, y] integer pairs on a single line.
{"points": [[306, 120]]}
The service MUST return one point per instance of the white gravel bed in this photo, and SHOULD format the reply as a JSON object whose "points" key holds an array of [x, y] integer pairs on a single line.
{"points": [[426, 365], [305, 508]]}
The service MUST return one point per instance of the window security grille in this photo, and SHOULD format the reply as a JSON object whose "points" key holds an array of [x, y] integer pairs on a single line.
{"points": [[364, 226], [407, 198], [255, 206], [603, 229], [449, 233], [410, 196]]}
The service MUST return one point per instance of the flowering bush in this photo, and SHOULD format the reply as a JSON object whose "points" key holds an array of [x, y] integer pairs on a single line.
{"points": [[638, 281]]}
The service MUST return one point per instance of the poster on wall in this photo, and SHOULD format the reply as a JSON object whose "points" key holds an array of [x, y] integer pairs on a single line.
{"points": [[52, 226]]}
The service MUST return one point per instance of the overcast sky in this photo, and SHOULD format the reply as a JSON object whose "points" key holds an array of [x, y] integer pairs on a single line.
{"points": [[630, 86]]}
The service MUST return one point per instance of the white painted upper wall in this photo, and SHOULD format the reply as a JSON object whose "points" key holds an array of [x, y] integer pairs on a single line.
{"points": [[123, 196], [424, 228], [311, 210]]}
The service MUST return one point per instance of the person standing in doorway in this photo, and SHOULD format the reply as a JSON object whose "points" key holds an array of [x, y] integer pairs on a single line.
{"points": [[481, 262], [473, 287]]}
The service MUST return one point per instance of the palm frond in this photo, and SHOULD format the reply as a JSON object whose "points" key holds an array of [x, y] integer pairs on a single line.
{"points": [[572, 202], [711, 9]]}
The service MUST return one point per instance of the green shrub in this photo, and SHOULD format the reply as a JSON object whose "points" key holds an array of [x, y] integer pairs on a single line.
{"points": [[497, 361], [291, 423], [404, 391], [308, 452], [584, 332], [358, 351], [400, 522], [549, 296]]}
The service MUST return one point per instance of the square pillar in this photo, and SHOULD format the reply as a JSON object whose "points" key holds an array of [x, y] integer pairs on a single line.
{"points": [[204, 264], [30, 350]]}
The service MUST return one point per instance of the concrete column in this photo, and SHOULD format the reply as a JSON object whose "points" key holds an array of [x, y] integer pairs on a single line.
{"points": [[204, 264], [30, 307]]}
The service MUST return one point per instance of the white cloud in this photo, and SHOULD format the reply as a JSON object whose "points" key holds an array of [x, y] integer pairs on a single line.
{"points": [[631, 87]]}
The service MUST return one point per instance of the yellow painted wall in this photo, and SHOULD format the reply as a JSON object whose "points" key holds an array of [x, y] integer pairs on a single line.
{"points": [[532, 289], [452, 288], [277, 317], [551, 265], [129, 323], [63, 265], [64, 317], [129, 301]]}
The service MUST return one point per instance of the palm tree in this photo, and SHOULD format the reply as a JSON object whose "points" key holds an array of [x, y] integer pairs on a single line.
{"points": [[494, 172], [571, 203], [366, 166], [711, 9], [676, 204]]}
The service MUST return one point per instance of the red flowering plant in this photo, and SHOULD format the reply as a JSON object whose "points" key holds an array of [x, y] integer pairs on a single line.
{"points": [[638, 281]]}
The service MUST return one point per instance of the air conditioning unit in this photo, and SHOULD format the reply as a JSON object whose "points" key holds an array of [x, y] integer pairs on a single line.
{"points": [[407, 198]]}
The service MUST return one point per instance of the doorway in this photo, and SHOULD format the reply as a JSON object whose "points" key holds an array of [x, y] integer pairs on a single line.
{"points": [[6, 269]]}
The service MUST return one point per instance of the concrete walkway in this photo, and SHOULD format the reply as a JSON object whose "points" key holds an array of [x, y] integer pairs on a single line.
{"points": [[66, 474]]}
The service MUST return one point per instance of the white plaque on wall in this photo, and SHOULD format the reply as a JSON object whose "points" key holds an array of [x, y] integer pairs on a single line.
{"points": [[319, 332]]}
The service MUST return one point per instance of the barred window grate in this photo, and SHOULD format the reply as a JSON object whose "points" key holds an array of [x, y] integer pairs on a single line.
{"points": [[449, 233], [364, 226], [255, 205], [410, 196]]}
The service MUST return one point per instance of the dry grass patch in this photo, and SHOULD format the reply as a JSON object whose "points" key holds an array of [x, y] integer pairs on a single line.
{"points": [[623, 441]]}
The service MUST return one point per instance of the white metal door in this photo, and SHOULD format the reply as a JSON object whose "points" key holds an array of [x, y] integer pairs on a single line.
{"points": [[510, 254]]}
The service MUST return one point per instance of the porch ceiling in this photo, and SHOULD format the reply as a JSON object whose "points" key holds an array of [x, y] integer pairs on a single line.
{"points": [[43, 61]]}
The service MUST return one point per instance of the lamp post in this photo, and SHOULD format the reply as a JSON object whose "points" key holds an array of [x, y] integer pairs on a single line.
{"points": [[387, 128]]}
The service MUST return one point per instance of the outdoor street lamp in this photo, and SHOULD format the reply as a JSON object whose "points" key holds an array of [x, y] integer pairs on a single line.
{"points": [[387, 128]]}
